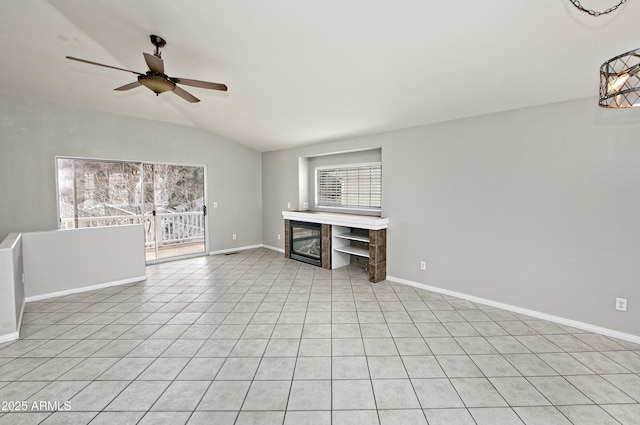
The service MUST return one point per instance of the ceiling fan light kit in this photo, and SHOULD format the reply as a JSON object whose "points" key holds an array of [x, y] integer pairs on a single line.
{"points": [[155, 79], [156, 83]]}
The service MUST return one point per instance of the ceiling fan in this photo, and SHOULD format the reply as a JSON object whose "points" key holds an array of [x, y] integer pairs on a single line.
{"points": [[155, 79]]}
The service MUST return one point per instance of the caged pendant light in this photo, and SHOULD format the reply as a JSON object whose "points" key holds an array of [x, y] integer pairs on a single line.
{"points": [[620, 81], [619, 76]]}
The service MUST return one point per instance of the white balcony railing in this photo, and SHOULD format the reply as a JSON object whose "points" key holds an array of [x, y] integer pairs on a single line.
{"points": [[166, 228]]}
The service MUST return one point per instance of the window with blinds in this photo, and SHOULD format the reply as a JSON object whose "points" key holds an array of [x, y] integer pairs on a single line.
{"points": [[356, 186]]}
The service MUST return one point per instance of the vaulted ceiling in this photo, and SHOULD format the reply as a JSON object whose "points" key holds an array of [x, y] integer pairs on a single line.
{"points": [[307, 71]]}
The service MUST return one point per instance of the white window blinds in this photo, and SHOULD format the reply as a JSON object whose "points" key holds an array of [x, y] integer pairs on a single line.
{"points": [[353, 186]]}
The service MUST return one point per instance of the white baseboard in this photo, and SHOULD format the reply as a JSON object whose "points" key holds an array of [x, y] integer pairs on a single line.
{"points": [[538, 315], [9, 337], [84, 289], [240, 248], [14, 335], [273, 248], [244, 248]]}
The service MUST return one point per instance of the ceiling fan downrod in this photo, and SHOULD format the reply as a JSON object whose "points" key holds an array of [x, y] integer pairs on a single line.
{"points": [[159, 42]]}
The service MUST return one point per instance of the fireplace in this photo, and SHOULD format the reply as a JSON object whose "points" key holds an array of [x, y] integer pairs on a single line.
{"points": [[330, 240], [306, 242]]}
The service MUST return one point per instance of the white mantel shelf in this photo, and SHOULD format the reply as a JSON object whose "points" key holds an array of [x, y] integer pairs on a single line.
{"points": [[336, 219]]}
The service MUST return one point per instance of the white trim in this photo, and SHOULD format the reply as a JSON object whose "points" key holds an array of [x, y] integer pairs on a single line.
{"points": [[273, 248], [9, 337], [372, 148], [337, 219], [353, 210], [84, 289], [205, 205], [10, 241], [539, 315], [135, 161], [349, 165], [240, 248], [24, 301]]}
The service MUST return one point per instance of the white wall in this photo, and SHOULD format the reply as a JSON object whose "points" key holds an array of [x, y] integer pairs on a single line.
{"points": [[33, 133], [536, 208], [60, 262]]}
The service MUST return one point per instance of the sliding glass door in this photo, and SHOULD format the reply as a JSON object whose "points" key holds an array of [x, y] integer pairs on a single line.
{"points": [[169, 200], [175, 210]]}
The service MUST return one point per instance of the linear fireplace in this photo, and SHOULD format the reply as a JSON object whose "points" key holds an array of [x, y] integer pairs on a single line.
{"points": [[306, 242]]}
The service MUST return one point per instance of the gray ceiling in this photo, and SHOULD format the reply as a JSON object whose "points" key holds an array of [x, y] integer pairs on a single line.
{"points": [[306, 71]]}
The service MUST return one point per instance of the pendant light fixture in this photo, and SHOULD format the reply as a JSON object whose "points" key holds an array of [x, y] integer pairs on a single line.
{"points": [[620, 82], [619, 79]]}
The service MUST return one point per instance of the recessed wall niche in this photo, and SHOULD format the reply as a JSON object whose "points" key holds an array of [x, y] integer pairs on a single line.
{"points": [[307, 181]]}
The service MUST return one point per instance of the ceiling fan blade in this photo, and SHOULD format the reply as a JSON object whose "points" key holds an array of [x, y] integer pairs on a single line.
{"points": [[100, 64], [154, 63], [185, 95], [128, 86], [201, 84]]}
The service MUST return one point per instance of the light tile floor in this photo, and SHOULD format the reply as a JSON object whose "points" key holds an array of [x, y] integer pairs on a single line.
{"points": [[253, 338]]}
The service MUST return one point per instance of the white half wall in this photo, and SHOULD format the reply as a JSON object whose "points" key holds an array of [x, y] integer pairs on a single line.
{"points": [[11, 286], [61, 262]]}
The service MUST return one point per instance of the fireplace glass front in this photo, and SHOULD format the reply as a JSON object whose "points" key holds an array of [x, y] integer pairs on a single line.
{"points": [[306, 242]]}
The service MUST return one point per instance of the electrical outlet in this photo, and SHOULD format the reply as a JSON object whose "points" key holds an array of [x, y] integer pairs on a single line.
{"points": [[215, 205], [621, 304], [278, 236], [288, 204], [423, 265], [234, 236]]}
